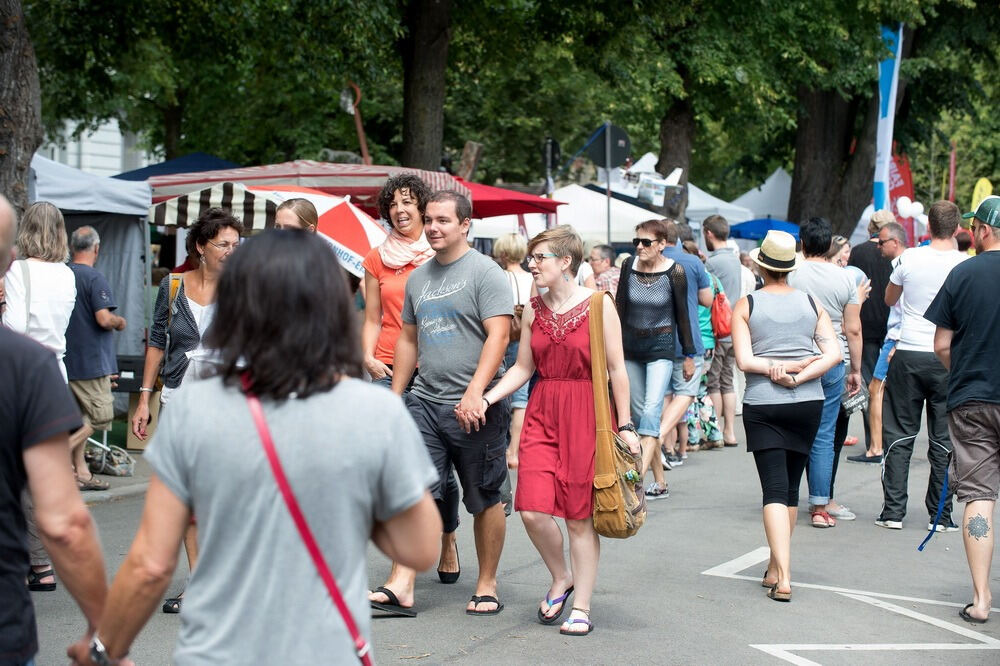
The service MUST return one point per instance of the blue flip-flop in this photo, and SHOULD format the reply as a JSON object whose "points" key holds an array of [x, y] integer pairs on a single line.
{"points": [[551, 619]]}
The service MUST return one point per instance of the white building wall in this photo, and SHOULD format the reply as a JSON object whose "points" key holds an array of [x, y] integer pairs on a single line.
{"points": [[104, 152]]}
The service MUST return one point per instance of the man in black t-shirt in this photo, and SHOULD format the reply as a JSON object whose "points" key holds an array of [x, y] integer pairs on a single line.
{"points": [[38, 413], [874, 312], [966, 314]]}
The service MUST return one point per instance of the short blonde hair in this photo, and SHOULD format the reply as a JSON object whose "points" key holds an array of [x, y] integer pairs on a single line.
{"points": [[563, 241], [510, 249], [879, 219], [42, 234]]}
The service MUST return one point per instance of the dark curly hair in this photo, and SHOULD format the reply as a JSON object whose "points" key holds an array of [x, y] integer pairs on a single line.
{"points": [[285, 314], [208, 226], [413, 183]]}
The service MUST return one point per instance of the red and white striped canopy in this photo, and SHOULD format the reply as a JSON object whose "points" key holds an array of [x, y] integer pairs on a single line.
{"points": [[359, 181], [349, 230]]}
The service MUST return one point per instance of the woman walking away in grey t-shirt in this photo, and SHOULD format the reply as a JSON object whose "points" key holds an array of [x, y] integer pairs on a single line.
{"points": [[776, 331], [353, 457]]}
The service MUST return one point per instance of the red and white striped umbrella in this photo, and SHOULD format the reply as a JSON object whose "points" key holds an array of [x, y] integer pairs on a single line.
{"points": [[361, 182], [348, 229]]}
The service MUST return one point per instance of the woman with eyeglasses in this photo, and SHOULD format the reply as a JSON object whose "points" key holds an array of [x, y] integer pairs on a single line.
{"points": [[185, 307], [652, 306], [556, 456]]}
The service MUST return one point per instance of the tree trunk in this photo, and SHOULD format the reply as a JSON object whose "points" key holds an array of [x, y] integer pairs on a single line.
{"points": [[677, 129], [833, 172], [425, 60], [20, 104], [172, 116]]}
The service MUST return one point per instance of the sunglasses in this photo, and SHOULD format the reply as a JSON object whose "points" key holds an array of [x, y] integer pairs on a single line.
{"points": [[645, 242], [883, 242]]}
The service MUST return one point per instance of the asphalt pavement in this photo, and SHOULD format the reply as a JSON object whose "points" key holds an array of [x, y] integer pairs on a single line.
{"points": [[685, 590]]}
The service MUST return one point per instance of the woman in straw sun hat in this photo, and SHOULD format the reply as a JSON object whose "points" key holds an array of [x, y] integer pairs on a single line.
{"points": [[776, 331]]}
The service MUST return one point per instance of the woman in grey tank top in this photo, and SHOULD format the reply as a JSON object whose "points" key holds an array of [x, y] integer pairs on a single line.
{"points": [[776, 333]]}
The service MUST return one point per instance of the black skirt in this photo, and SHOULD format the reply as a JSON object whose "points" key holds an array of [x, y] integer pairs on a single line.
{"points": [[791, 426]]}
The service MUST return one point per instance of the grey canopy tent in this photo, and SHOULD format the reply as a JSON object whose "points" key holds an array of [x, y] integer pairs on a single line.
{"points": [[117, 209]]}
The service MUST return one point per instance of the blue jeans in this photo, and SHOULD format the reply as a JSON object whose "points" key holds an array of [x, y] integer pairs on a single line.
{"points": [[648, 384], [821, 454]]}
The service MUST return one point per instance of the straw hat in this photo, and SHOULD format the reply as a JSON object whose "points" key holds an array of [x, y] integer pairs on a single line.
{"points": [[777, 252]]}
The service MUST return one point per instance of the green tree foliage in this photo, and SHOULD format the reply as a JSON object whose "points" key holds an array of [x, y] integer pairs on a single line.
{"points": [[728, 90], [253, 81]]}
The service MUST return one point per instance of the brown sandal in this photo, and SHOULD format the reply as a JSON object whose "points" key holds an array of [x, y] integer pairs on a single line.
{"points": [[92, 483]]}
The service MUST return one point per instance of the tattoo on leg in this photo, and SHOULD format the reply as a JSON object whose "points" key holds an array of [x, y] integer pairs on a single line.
{"points": [[978, 527]]}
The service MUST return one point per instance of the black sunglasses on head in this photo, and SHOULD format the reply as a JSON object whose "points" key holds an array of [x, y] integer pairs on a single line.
{"points": [[645, 242]]}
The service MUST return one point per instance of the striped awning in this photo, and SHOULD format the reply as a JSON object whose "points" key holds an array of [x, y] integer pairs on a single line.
{"points": [[255, 210], [361, 182]]}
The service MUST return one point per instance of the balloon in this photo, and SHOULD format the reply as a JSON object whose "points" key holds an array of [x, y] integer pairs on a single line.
{"points": [[903, 206], [923, 219], [916, 209]]}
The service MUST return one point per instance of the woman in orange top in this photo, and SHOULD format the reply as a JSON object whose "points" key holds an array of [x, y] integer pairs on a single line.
{"points": [[387, 268]]}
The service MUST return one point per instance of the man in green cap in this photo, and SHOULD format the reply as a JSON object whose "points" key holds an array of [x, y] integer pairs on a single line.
{"points": [[966, 315]]}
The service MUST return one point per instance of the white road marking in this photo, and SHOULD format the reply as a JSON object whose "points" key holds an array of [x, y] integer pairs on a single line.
{"points": [[729, 570], [786, 652], [941, 624]]}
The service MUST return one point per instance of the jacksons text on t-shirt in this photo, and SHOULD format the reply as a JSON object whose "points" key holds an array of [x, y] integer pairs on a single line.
{"points": [[448, 304]]}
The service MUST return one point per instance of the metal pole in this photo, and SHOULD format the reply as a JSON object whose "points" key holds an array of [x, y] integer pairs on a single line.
{"points": [[607, 169]]}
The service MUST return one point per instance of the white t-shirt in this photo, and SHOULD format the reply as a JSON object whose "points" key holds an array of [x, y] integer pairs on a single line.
{"points": [[520, 287], [200, 359], [921, 273], [895, 323], [53, 297]]}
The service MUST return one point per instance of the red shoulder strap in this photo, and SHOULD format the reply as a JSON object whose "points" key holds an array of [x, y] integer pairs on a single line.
{"points": [[361, 646]]}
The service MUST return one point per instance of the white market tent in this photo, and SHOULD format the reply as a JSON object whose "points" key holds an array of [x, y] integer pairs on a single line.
{"points": [[585, 209], [117, 209], [701, 204], [769, 199]]}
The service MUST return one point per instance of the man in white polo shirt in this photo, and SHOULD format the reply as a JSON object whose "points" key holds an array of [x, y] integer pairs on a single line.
{"points": [[916, 376]]}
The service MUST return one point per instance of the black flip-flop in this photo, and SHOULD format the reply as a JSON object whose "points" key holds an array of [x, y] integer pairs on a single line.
{"points": [[550, 619], [35, 577], [391, 607], [485, 599], [172, 605], [964, 614], [450, 577]]}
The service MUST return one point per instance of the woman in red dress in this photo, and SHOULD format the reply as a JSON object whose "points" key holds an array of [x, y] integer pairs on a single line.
{"points": [[556, 456]]}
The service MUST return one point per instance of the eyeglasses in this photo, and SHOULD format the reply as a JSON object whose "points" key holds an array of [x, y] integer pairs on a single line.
{"points": [[225, 246], [539, 256], [883, 242], [645, 242]]}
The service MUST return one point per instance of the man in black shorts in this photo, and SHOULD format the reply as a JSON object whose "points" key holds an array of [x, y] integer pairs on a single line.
{"points": [[456, 318], [966, 315]]}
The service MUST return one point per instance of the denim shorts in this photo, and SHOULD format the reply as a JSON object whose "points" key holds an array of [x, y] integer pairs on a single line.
{"points": [[882, 364], [519, 398], [686, 387]]}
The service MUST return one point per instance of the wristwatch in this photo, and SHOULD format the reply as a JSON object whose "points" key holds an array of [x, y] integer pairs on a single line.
{"points": [[628, 426], [98, 653]]}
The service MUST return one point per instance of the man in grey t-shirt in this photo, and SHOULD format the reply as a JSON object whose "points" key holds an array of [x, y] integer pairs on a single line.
{"points": [[456, 318], [724, 264], [834, 289]]}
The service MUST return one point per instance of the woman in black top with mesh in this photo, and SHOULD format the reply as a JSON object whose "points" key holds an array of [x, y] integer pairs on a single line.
{"points": [[652, 305]]}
